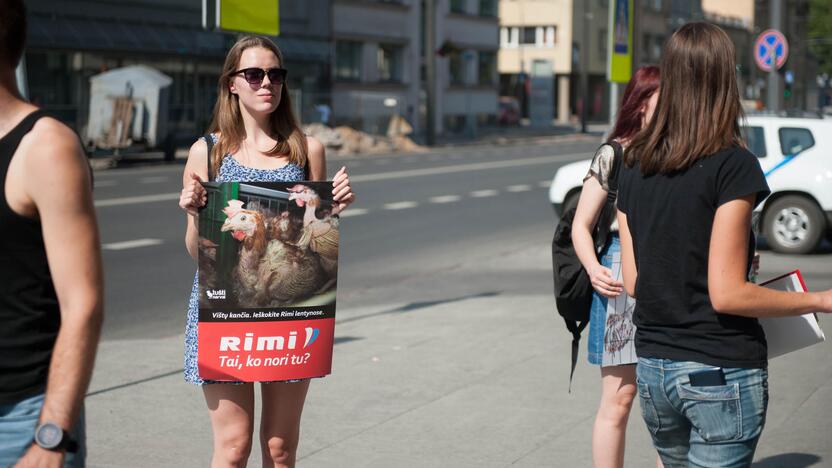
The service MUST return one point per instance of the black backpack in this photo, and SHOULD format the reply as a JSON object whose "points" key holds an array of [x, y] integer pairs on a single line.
{"points": [[573, 290]]}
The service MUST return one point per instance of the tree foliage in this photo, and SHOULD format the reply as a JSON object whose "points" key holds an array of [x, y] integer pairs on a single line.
{"points": [[820, 33]]}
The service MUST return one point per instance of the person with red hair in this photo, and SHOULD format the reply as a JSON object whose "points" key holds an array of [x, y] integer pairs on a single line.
{"points": [[611, 335]]}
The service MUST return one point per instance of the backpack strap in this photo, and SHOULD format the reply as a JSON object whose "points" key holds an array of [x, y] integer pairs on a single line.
{"points": [[575, 328], [618, 155], [209, 140]]}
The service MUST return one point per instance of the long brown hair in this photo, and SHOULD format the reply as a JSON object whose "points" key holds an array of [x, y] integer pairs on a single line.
{"points": [[699, 106], [229, 122]]}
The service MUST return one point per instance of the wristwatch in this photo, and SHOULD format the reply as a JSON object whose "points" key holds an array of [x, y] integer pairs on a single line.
{"points": [[51, 436]]}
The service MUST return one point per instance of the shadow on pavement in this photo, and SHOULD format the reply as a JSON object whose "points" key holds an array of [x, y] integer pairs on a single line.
{"points": [[416, 306], [788, 460]]}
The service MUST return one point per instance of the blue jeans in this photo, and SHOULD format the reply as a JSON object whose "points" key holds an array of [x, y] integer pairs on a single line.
{"points": [[17, 432], [712, 426]]}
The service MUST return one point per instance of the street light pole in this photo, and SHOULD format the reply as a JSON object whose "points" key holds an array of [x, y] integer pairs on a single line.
{"points": [[776, 20], [430, 70], [585, 66]]}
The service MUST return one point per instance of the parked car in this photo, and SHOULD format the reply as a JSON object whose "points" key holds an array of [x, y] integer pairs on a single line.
{"points": [[796, 156]]}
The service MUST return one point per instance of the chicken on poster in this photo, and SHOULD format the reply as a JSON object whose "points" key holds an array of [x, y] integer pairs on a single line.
{"points": [[268, 269]]}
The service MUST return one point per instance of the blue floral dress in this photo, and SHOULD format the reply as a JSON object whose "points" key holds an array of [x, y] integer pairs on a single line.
{"points": [[230, 171]]}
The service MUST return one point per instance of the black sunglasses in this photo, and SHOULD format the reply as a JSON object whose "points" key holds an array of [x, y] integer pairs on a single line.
{"points": [[255, 76]]}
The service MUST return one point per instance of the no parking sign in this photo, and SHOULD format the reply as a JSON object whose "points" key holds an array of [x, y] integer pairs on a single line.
{"points": [[770, 47]]}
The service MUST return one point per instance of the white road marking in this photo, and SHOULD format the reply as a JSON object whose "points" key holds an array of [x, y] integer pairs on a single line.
{"points": [[138, 199], [484, 193], [153, 180], [354, 212], [445, 199], [468, 167], [400, 205], [544, 184], [131, 244], [531, 161], [519, 188]]}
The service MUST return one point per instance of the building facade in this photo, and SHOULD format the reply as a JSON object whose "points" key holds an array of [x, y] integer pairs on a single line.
{"points": [[536, 31], [467, 82], [70, 41], [376, 71]]}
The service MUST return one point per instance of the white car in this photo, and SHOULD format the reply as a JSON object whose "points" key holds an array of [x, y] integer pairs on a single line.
{"points": [[796, 156]]}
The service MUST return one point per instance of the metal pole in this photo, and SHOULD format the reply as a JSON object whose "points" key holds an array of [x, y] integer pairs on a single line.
{"points": [[585, 66], [430, 69], [774, 85]]}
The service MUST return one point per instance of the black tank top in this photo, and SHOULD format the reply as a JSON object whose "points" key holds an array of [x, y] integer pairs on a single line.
{"points": [[29, 314]]}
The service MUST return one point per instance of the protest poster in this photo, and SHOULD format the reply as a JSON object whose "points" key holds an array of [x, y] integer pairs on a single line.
{"points": [[268, 269]]}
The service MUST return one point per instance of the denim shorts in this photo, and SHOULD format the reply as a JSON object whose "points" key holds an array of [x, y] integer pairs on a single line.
{"points": [[17, 432], [598, 309], [704, 426]]}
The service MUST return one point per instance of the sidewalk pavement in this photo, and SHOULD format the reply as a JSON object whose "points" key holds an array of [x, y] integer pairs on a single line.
{"points": [[474, 381]]}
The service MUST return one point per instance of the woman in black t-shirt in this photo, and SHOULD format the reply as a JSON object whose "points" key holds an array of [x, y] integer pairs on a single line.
{"points": [[686, 193], [610, 341]]}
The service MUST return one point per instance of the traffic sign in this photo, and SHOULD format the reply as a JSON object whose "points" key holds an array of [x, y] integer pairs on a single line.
{"points": [[770, 47]]}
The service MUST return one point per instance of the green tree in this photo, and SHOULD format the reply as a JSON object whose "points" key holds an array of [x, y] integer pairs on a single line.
{"points": [[820, 33]]}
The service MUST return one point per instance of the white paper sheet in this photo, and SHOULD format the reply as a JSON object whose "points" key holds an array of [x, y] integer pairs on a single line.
{"points": [[787, 334]]}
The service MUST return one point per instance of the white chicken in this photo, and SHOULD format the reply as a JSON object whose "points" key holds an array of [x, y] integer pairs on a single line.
{"points": [[319, 235]]}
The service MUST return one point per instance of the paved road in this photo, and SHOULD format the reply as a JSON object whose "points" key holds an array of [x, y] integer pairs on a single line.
{"points": [[413, 213]]}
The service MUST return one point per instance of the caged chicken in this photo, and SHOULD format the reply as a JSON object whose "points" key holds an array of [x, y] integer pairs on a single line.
{"points": [[269, 272], [318, 234]]}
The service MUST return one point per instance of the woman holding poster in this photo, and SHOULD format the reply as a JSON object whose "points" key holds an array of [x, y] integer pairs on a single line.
{"points": [[254, 137], [611, 327], [685, 197]]}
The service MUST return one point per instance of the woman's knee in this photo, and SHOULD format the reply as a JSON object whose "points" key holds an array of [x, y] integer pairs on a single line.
{"points": [[281, 450], [233, 446], [616, 407]]}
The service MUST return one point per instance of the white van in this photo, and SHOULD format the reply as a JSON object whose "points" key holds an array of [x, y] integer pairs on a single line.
{"points": [[796, 156]]}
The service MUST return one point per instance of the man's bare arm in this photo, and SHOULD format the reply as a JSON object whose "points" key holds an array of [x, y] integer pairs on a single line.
{"points": [[57, 180]]}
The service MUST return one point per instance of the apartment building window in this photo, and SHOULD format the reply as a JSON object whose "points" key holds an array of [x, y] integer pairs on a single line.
{"points": [[458, 6], [602, 43], [528, 36], [656, 53], [645, 45], [509, 37], [550, 38], [390, 62], [348, 60], [456, 69], [488, 8], [538, 36], [487, 68], [655, 5]]}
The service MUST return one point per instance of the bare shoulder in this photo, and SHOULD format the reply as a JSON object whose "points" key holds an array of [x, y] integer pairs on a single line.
{"points": [[315, 147], [51, 144], [197, 160]]}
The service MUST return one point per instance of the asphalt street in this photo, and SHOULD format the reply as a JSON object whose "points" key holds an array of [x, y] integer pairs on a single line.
{"points": [[415, 214]]}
